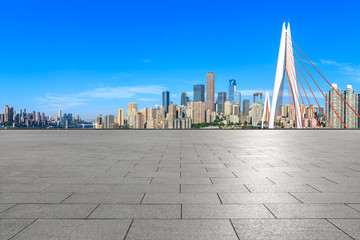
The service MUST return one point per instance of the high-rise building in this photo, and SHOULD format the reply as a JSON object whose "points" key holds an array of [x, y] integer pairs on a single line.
{"points": [[166, 100], [232, 89], [108, 120], [8, 114], [199, 93], [236, 109], [210, 91], [337, 105], [228, 107], [246, 107], [258, 96], [256, 110], [198, 112], [98, 122], [350, 118], [186, 101], [183, 97], [220, 102], [139, 123], [172, 112], [131, 107], [120, 117]]}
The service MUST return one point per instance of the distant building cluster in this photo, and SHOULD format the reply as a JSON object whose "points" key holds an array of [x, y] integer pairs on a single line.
{"points": [[203, 111], [337, 106], [335, 109], [23, 119]]}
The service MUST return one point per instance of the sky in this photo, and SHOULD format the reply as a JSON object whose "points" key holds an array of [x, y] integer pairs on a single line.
{"points": [[93, 57]]}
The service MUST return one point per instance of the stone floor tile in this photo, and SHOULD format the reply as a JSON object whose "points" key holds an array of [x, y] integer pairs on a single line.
{"points": [[312, 211], [137, 211], [226, 211], [268, 229], [113, 197], [73, 229], [147, 188], [204, 188], [33, 197], [257, 198], [80, 188], [33, 211], [181, 198], [10, 227], [328, 197], [349, 226], [181, 230]]}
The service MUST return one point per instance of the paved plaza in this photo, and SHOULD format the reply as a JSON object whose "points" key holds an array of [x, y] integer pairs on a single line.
{"points": [[195, 184]]}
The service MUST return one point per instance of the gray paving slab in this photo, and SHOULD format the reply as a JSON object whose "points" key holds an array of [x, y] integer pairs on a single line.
{"points": [[181, 230], [328, 197], [225, 211], [79, 188], [312, 211], [137, 211], [181, 198], [33, 211], [10, 227], [291, 229], [204, 180], [147, 188], [4, 207], [278, 188], [30, 187], [204, 177], [257, 198], [349, 226], [204, 188], [33, 197], [355, 206], [59, 229], [113, 197]]}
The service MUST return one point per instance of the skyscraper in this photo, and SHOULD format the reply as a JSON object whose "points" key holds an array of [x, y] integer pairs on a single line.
{"points": [[232, 89], [9, 114], [198, 112], [183, 97], [210, 91], [246, 107], [166, 100], [186, 101], [131, 107], [350, 118], [220, 102], [228, 107], [108, 120], [120, 117], [338, 106], [199, 93]]}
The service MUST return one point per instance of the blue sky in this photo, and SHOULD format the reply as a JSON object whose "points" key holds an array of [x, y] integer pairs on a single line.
{"points": [[90, 57]]}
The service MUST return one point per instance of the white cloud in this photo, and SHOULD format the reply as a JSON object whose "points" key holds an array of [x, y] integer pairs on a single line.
{"points": [[70, 100], [146, 60], [348, 69], [329, 62]]}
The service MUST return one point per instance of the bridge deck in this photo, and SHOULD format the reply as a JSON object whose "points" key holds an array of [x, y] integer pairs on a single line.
{"points": [[88, 184]]}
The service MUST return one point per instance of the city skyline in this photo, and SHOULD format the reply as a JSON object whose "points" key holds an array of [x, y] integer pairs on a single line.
{"points": [[62, 64]]}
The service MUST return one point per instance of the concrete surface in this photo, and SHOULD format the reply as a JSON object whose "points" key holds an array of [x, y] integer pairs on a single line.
{"points": [[192, 184]]}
